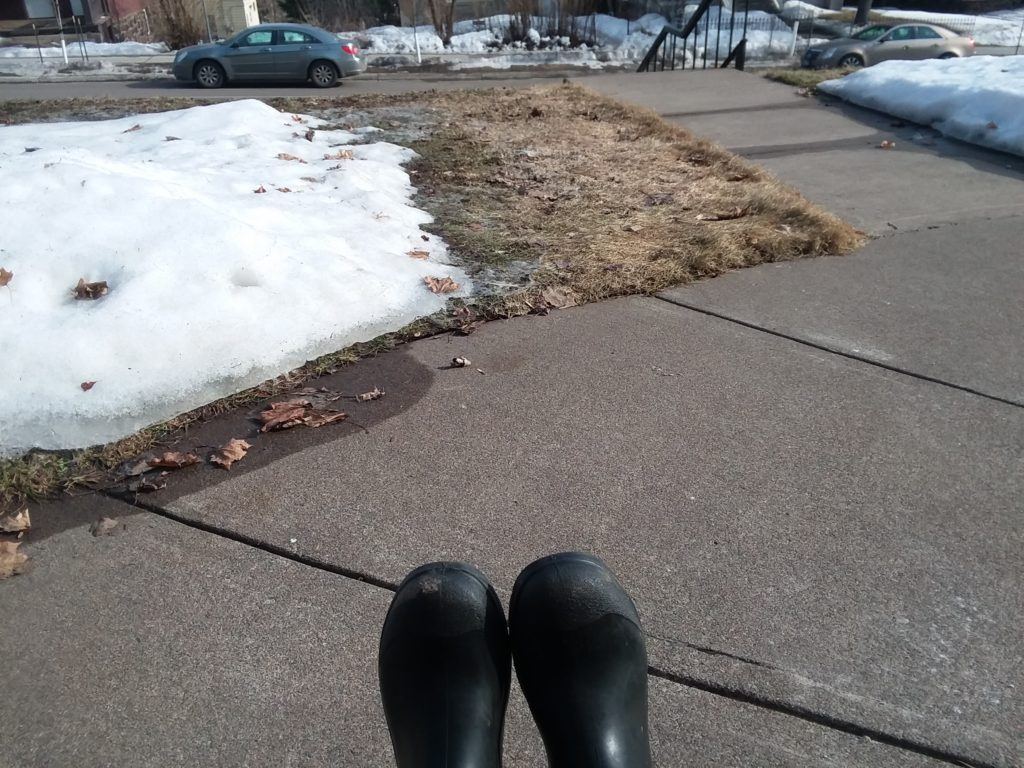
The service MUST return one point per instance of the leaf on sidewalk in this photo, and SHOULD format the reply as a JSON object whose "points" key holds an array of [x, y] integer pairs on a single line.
{"points": [[233, 450], [106, 526], [461, 362], [91, 291], [5, 277], [173, 460], [286, 156], [441, 284], [11, 560], [374, 394], [283, 415], [886, 144], [318, 418], [18, 522], [148, 483]]}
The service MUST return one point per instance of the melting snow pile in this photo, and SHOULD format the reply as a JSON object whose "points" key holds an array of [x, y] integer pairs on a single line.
{"points": [[213, 283], [978, 99], [74, 49]]}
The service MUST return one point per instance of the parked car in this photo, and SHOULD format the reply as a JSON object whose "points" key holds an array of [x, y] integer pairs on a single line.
{"points": [[883, 42], [267, 52]]}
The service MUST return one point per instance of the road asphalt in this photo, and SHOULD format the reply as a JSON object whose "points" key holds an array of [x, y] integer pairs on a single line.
{"points": [[809, 476]]}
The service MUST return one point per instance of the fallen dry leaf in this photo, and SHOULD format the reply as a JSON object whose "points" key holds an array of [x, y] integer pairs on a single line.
{"points": [[557, 298], [374, 394], [297, 119], [172, 138], [260, 190], [148, 484], [11, 560], [461, 362], [341, 154], [283, 189], [418, 254], [93, 291], [15, 523], [425, 238], [133, 129], [106, 526], [735, 213], [312, 179], [233, 450], [318, 418], [310, 134], [886, 144], [441, 284], [286, 156], [87, 385], [173, 460], [5, 277], [283, 415], [631, 228]]}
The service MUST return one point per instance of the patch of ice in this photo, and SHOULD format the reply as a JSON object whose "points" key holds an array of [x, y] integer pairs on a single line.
{"points": [[212, 287], [977, 99]]}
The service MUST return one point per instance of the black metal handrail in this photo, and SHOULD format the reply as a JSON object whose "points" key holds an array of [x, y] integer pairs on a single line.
{"points": [[665, 46]]}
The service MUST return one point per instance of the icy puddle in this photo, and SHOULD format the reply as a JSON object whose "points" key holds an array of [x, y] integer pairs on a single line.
{"points": [[234, 248]]}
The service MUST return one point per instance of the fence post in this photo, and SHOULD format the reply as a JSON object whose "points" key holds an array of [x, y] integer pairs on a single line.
{"points": [[796, 34], [1020, 37]]}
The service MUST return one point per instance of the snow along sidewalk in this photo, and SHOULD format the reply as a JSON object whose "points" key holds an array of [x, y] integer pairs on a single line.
{"points": [[214, 284], [979, 99]]}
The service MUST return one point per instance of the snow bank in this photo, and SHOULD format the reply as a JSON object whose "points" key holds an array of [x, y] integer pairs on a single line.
{"points": [[797, 10], [212, 288], [986, 30], [978, 99], [92, 49]]}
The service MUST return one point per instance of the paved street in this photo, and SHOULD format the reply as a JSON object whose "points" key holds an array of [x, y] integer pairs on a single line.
{"points": [[808, 474]]}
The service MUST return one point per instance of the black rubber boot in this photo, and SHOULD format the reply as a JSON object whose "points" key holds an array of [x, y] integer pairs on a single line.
{"points": [[582, 662], [445, 668]]}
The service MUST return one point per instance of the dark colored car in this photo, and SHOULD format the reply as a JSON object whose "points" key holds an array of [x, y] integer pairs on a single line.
{"points": [[266, 52], [884, 42]]}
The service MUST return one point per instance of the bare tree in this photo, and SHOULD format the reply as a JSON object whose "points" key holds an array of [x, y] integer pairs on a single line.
{"points": [[442, 13]]}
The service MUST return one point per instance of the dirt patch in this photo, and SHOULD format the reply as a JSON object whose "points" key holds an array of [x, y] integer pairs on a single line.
{"points": [[549, 197], [806, 79]]}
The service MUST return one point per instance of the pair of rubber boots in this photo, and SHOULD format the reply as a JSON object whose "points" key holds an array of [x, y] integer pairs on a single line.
{"points": [[445, 666]]}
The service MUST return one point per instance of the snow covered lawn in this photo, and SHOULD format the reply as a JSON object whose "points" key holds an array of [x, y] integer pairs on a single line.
{"points": [[75, 50], [978, 99], [233, 248]]}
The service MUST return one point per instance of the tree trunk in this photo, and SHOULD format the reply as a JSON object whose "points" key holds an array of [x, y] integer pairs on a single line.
{"points": [[863, 8]]}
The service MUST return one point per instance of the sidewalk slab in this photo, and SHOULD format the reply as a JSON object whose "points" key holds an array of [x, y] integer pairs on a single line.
{"points": [[793, 524], [944, 303], [163, 646]]}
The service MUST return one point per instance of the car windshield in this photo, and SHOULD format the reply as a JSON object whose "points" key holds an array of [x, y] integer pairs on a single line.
{"points": [[871, 33]]}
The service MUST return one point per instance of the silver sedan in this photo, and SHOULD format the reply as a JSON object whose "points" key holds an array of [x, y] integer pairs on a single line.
{"points": [[271, 52], [883, 42]]}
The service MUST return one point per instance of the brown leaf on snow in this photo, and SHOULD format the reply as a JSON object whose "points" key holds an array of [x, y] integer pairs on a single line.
{"points": [[310, 134], [172, 138], [441, 284], [312, 179], [298, 119], [173, 460], [105, 526], [341, 154], [992, 126], [93, 291], [286, 156], [19, 522], [735, 213], [11, 560], [283, 415], [283, 189], [133, 129], [87, 385], [374, 394], [260, 190], [5, 277], [233, 450], [418, 254]]}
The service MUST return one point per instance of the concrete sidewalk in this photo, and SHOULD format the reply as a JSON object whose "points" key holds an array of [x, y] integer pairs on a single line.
{"points": [[809, 476]]}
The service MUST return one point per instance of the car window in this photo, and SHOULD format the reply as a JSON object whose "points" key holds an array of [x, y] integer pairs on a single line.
{"points": [[926, 33], [898, 34], [871, 33], [291, 36], [262, 37]]}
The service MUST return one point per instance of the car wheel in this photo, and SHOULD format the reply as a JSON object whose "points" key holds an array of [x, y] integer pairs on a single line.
{"points": [[851, 61], [323, 74], [209, 74], [949, 55]]}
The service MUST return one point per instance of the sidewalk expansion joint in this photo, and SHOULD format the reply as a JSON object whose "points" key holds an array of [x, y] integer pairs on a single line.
{"points": [[848, 355], [249, 541], [818, 718]]}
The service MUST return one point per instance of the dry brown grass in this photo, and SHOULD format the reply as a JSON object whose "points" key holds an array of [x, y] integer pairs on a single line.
{"points": [[805, 78], [602, 199]]}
